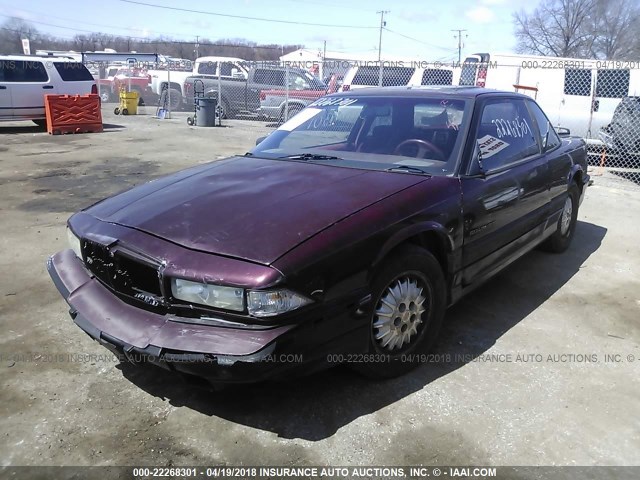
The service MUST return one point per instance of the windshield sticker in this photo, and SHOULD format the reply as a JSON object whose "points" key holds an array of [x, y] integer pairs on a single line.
{"points": [[328, 102], [517, 128], [490, 145], [299, 119]]}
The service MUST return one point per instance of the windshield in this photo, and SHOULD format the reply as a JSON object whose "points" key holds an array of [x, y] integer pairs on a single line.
{"points": [[374, 133]]}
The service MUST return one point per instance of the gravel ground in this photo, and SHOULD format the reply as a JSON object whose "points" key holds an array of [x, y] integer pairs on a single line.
{"points": [[540, 391]]}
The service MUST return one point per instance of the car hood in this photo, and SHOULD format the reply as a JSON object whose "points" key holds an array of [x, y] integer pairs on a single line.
{"points": [[250, 208]]}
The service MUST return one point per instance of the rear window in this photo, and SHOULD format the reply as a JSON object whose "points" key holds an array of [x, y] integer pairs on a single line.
{"points": [[22, 71], [468, 72], [73, 71], [577, 82], [612, 83], [436, 76], [391, 76]]}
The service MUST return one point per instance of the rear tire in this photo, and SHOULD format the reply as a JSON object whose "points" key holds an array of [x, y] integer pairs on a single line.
{"points": [[409, 301], [561, 238]]}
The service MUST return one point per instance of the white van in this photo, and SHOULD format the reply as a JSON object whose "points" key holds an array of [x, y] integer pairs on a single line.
{"points": [[577, 94], [397, 74], [26, 79]]}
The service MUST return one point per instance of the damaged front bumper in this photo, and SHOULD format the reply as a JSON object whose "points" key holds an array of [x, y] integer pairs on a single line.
{"points": [[219, 354]]}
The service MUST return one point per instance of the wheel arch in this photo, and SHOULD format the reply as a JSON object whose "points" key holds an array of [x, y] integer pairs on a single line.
{"points": [[431, 236]]}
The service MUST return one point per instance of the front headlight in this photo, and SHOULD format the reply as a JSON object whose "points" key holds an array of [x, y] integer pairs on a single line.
{"points": [[74, 243], [228, 298], [274, 302]]}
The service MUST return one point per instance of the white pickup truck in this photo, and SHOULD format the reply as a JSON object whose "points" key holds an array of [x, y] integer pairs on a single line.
{"points": [[203, 66]]}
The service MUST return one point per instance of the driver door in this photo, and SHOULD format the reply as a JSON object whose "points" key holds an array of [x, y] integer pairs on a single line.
{"points": [[506, 200]]}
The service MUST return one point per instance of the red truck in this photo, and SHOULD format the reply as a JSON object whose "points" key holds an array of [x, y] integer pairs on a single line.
{"points": [[131, 79], [273, 103]]}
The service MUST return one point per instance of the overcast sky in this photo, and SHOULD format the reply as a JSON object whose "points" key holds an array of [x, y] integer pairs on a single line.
{"points": [[489, 23]]}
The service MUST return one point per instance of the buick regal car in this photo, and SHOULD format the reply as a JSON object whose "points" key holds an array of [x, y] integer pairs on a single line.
{"points": [[344, 234]]}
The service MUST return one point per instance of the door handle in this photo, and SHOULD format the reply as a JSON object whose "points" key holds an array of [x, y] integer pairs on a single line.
{"points": [[48, 87]]}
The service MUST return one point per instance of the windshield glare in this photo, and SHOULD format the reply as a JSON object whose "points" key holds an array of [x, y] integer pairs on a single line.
{"points": [[374, 133]]}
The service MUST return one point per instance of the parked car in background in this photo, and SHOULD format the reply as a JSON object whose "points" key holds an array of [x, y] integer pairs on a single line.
{"points": [[240, 93], [361, 76], [342, 237], [26, 79], [284, 104], [105, 83], [171, 84], [622, 135]]}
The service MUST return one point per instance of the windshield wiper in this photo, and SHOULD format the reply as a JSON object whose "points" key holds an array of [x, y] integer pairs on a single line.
{"points": [[310, 156], [408, 169]]}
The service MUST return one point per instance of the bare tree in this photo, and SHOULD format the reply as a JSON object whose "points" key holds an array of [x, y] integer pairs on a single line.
{"points": [[615, 29], [13, 31], [604, 29], [555, 27]]}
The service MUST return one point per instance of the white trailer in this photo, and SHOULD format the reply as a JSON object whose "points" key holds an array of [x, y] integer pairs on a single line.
{"points": [[578, 94]]}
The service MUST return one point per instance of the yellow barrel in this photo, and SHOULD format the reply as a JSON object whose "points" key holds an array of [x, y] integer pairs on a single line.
{"points": [[128, 101]]}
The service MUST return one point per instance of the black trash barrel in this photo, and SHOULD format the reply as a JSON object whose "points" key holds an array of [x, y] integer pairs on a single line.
{"points": [[206, 112]]}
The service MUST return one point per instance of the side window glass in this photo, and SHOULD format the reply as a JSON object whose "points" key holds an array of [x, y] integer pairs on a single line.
{"points": [[207, 68], [24, 71], [225, 69], [550, 139], [506, 133]]}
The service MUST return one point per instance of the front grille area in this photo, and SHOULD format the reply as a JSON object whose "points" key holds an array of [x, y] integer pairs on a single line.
{"points": [[122, 274]]}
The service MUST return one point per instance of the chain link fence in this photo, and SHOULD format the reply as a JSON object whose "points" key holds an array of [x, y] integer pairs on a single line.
{"points": [[596, 100]]}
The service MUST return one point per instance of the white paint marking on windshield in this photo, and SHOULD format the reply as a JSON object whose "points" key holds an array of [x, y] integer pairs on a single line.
{"points": [[299, 119]]}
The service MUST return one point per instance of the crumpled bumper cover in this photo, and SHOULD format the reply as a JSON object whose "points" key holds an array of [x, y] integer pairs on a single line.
{"points": [[219, 353]]}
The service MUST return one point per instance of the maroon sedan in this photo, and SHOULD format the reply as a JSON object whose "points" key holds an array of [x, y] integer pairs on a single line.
{"points": [[343, 236]]}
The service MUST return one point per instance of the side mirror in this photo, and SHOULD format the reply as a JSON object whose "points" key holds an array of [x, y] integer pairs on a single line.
{"points": [[476, 169], [563, 132], [259, 140]]}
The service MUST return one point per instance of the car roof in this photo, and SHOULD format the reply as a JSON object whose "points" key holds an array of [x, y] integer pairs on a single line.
{"points": [[425, 91]]}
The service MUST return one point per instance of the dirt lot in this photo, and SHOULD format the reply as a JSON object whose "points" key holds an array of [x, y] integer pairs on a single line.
{"points": [[558, 403]]}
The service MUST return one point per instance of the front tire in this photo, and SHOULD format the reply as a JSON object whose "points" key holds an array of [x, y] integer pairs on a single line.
{"points": [[561, 238], [409, 301], [175, 97]]}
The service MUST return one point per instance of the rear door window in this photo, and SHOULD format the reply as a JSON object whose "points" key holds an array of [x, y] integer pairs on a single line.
{"points": [[23, 71], [577, 82], [391, 76], [269, 77], [436, 76], [612, 83], [73, 71], [207, 68]]}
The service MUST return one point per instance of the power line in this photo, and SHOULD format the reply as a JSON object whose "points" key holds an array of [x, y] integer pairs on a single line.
{"points": [[144, 39], [259, 19], [416, 40], [117, 27]]}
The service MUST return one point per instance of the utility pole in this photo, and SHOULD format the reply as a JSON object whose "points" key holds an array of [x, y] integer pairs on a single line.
{"points": [[197, 46], [382, 25], [459, 37]]}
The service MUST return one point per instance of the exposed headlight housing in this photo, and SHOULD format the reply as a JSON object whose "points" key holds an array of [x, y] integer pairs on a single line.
{"points": [[216, 296], [74, 243], [269, 303]]}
